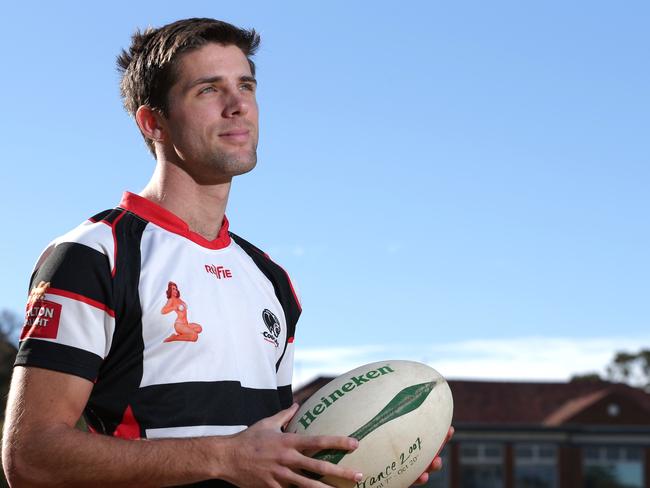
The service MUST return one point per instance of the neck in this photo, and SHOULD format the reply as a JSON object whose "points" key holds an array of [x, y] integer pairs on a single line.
{"points": [[202, 207]]}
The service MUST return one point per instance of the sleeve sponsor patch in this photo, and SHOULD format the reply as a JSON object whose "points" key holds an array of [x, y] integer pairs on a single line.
{"points": [[42, 316], [41, 320]]}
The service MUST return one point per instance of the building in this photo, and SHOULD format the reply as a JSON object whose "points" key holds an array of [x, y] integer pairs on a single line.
{"points": [[585, 434]]}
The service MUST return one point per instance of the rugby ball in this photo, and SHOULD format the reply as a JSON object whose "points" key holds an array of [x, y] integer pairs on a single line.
{"points": [[400, 411]]}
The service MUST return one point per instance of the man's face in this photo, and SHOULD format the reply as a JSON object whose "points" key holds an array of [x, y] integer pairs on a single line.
{"points": [[212, 123]]}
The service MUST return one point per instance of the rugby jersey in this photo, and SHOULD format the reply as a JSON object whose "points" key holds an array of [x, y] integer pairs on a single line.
{"points": [[181, 336]]}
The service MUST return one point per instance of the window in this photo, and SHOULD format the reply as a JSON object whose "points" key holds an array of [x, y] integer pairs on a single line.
{"points": [[613, 467], [535, 465], [481, 465]]}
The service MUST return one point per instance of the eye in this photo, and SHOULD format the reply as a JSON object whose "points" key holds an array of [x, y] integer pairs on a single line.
{"points": [[247, 87], [207, 89]]}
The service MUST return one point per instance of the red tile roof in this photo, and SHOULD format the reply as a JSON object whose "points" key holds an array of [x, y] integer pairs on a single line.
{"points": [[528, 403], [511, 403]]}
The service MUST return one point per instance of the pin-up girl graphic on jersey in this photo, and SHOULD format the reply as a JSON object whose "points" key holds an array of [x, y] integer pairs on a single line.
{"points": [[185, 331]]}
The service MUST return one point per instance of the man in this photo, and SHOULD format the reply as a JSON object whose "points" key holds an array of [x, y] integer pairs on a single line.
{"points": [[205, 390]]}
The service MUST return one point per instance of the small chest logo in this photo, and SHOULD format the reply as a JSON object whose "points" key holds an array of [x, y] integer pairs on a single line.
{"points": [[42, 316], [219, 272], [273, 327]]}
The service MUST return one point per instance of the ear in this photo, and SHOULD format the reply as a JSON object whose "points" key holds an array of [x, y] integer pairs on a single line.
{"points": [[149, 122]]}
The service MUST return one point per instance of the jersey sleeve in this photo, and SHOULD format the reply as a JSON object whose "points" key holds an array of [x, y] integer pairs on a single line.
{"points": [[70, 318]]}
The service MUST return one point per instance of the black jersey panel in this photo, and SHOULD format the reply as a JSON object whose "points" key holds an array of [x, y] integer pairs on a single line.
{"points": [[58, 357], [286, 396], [112, 215], [121, 372], [203, 403], [101, 215], [78, 269], [278, 277]]}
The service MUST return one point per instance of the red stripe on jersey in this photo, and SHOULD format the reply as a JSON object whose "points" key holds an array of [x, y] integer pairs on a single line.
{"points": [[81, 298], [115, 243], [129, 427], [290, 340], [162, 217]]}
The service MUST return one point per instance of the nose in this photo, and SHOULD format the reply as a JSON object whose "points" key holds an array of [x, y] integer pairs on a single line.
{"points": [[236, 104]]}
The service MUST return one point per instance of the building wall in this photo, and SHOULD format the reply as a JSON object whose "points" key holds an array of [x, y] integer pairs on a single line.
{"points": [[569, 461]]}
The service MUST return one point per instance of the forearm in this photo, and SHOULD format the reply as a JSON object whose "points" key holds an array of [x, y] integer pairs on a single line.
{"points": [[63, 456]]}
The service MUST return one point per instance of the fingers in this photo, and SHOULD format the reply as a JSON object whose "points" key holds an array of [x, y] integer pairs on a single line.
{"points": [[308, 445], [320, 442], [450, 434], [296, 480], [328, 469], [436, 465], [282, 418], [424, 477]]}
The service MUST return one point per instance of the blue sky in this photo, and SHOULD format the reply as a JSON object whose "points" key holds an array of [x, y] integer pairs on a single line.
{"points": [[459, 183]]}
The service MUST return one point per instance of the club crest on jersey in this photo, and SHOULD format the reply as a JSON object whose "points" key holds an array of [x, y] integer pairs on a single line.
{"points": [[41, 316], [273, 327]]}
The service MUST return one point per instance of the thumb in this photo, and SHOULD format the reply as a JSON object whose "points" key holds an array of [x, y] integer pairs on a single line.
{"points": [[282, 418]]}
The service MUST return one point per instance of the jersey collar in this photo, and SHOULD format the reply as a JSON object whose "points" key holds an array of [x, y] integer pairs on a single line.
{"points": [[167, 220]]}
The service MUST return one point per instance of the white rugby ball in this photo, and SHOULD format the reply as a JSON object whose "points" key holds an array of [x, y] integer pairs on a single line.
{"points": [[400, 411]]}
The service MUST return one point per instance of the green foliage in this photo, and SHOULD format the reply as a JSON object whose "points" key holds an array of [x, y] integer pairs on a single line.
{"points": [[625, 367], [632, 368], [586, 377], [9, 325], [10, 322]]}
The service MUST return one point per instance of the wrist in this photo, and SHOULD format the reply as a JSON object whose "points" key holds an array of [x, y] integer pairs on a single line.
{"points": [[218, 452]]}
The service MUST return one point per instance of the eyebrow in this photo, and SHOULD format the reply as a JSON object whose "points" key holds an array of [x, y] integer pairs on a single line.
{"points": [[216, 79]]}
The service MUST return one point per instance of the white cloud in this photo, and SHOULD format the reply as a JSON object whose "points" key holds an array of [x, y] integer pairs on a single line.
{"points": [[524, 358]]}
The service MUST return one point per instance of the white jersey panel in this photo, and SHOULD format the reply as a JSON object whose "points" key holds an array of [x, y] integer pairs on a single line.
{"points": [[213, 327], [82, 325], [285, 371], [96, 235], [194, 431]]}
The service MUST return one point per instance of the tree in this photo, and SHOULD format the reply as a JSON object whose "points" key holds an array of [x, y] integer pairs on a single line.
{"points": [[632, 368], [584, 377], [625, 367], [9, 326], [10, 323]]}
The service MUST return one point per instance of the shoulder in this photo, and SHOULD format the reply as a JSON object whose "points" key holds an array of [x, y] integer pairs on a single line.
{"points": [[261, 259], [94, 240], [92, 234], [282, 283]]}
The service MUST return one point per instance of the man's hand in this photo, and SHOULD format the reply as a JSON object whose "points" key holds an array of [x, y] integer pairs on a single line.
{"points": [[436, 464], [264, 456]]}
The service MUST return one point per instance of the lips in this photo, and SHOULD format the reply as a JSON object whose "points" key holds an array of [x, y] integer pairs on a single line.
{"points": [[235, 135], [235, 132]]}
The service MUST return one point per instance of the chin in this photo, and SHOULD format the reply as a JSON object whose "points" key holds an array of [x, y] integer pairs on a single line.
{"points": [[221, 166]]}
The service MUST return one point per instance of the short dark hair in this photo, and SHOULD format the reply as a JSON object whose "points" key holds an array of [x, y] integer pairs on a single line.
{"points": [[148, 67]]}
